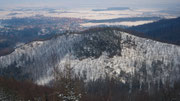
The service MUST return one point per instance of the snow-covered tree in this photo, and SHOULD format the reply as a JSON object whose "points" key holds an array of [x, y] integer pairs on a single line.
{"points": [[67, 85], [7, 96]]}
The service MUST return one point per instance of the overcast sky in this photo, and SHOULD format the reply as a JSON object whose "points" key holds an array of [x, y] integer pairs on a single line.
{"points": [[88, 3]]}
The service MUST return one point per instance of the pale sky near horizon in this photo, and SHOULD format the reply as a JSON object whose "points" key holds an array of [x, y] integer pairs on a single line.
{"points": [[84, 3]]}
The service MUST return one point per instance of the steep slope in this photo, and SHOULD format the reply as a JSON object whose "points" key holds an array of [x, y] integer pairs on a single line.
{"points": [[95, 54], [167, 30]]}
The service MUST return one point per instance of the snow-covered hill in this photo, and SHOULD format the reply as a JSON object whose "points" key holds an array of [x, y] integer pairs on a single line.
{"points": [[95, 53]]}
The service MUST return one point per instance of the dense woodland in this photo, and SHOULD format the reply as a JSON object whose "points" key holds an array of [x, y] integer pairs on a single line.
{"points": [[67, 87], [77, 90]]}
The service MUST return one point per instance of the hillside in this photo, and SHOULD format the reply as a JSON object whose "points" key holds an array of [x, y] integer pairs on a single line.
{"points": [[94, 53]]}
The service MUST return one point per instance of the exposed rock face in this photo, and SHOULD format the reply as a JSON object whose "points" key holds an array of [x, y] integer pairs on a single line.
{"points": [[94, 54]]}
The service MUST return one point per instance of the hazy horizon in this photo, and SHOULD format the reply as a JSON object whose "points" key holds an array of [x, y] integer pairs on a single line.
{"points": [[90, 3]]}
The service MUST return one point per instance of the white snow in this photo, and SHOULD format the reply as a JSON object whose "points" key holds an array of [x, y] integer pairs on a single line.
{"points": [[51, 53]]}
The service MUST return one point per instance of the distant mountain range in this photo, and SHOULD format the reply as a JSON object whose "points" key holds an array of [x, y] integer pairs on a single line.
{"points": [[166, 30]]}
